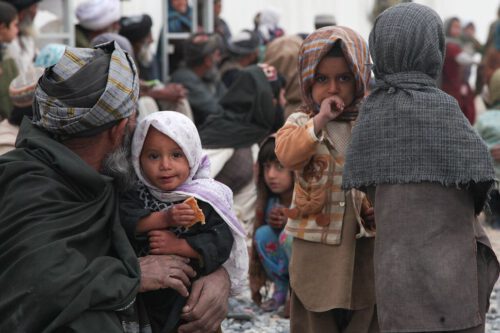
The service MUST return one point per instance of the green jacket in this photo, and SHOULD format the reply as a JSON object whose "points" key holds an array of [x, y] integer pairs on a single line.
{"points": [[66, 263]]}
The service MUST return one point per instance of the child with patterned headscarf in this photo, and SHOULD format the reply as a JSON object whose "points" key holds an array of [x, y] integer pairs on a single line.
{"points": [[331, 266]]}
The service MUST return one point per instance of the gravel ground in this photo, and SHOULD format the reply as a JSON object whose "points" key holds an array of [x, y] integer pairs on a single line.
{"points": [[493, 315], [258, 321]]}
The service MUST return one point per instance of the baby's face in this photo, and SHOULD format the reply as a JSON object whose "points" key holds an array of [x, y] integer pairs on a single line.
{"points": [[333, 78], [163, 162]]}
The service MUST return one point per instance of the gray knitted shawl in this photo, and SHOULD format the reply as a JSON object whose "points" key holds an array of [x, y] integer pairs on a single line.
{"points": [[408, 130]]}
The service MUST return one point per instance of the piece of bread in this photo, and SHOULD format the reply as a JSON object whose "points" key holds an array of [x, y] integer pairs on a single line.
{"points": [[199, 216]]}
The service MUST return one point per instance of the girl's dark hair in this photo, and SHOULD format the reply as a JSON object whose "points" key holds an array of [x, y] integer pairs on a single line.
{"points": [[266, 153], [7, 13], [335, 51]]}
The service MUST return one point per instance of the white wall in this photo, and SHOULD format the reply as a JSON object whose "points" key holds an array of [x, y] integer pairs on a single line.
{"points": [[298, 15]]}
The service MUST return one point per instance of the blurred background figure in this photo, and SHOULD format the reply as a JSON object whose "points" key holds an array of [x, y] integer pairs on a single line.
{"points": [[180, 19], [8, 67], [200, 75], [471, 46], [231, 136], [96, 17], [491, 59], [220, 25], [324, 20], [267, 25], [22, 49], [21, 92], [282, 53], [49, 55], [455, 69], [137, 29], [488, 127], [242, 51], [180, 16]]}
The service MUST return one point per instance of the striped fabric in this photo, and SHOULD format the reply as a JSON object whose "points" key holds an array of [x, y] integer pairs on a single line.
{"points": [[355, 50], [118, 100]]}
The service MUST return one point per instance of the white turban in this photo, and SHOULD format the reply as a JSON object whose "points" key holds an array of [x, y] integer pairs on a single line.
{"points": [[98, 14]]}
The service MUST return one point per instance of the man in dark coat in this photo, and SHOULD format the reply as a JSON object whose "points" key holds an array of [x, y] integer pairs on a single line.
{"points": [[66, 262]]}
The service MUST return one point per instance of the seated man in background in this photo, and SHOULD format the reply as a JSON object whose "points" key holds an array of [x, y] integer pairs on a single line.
{"points": [[243, 51], [200, 75]]}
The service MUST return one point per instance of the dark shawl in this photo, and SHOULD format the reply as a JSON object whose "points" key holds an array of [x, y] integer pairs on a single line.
{"points": [[248, 115], [65, 260], [409, 131]]}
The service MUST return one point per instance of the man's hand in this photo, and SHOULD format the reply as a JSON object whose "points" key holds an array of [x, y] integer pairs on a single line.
{"points": [[206, 307], [160, 272], [495, 153], [171, 92]]}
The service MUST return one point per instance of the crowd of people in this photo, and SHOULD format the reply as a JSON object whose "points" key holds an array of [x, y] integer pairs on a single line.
{"points": [[340, 179]]}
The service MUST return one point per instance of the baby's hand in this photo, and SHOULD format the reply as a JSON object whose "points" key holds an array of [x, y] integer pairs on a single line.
{"points": [[180, 215], [160, 241]]}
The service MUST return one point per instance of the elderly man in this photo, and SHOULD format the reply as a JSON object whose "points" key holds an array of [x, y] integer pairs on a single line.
{"points": [[66, 262], [200, 76]]}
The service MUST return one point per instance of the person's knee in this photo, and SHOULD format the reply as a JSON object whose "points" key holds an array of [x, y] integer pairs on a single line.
{"points": [[264, 234]]}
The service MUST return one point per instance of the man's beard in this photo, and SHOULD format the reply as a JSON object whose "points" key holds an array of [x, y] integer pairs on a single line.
{"points": [[118, 166], [211, 75], [146, 55]]}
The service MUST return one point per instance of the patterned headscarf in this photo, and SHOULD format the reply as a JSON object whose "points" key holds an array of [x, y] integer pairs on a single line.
{"points": [[316, 46], [182, 130], [409, 131], [104, 77]]}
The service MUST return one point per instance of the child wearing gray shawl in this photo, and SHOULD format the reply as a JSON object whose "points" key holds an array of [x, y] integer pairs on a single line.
{"points": [[428, 174]]}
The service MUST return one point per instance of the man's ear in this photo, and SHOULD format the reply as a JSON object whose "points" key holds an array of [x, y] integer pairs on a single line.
{"points": [[117, 132]]}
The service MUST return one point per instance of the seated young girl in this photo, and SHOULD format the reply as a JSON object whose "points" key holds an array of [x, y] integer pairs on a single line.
{"points": [[167, 159], [271, 245]]}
